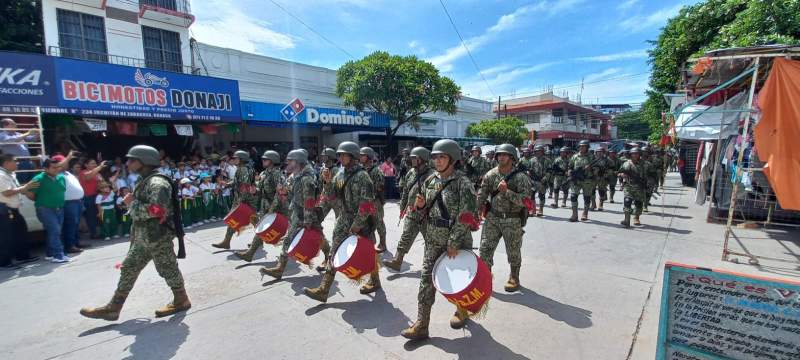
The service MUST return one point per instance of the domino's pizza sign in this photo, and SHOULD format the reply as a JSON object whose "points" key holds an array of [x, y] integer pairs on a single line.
{"points": [[292, 109], [297, 112]]}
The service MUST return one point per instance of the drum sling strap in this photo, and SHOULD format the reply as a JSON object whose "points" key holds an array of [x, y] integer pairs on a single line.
{"points": [[316, 196], [523, 215], [445, 220], [370, 227], [177, 222]]}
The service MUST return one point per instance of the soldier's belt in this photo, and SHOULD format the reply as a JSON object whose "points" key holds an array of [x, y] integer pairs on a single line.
{"points": [[439, 222], [505, 215]]}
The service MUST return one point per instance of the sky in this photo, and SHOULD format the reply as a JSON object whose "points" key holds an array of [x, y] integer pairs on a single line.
{"points": [[520, 48]]}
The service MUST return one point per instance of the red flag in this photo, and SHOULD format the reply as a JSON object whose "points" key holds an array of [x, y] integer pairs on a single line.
{"points": [[126, 127], [210, 129]]}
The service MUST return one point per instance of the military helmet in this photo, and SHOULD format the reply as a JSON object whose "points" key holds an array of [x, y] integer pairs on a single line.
{"points": [[422, 153], [368, 151], [148, 155], [299, 155], [645, 149], [242, 155], [538, 148], [507, 149], [583, 143], [348, 147], [447, 147], [476, 148], [330, 153], [634, 151], [565, 149], [600, 149], [272, 155]]}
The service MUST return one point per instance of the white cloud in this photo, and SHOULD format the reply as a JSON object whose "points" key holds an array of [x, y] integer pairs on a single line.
{"points": [[641, 22], [625, 5], [504, 23], [625, 55], [223, 24], [415, 46], [602, 75], [500, 78]]}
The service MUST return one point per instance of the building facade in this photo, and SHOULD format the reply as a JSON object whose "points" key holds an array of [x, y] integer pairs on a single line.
{"points": [[557, 121]]}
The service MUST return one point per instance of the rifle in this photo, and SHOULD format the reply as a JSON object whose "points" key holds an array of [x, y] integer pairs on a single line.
{"points": [[487, 205], [177, 221], [579, 174], [637, 179]]}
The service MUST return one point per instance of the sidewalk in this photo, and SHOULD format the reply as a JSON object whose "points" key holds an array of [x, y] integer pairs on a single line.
{"points": [[591, 291]]}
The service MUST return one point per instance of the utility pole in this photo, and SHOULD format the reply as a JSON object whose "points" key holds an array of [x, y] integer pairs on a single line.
{"points": [[498, 108]]}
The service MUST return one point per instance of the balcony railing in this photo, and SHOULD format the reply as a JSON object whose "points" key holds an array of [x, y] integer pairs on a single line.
{"points": [[82, 54], [176, 12], [181, 6]]}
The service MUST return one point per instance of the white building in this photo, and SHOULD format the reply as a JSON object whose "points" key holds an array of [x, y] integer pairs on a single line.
{"points": [[141, 33]]}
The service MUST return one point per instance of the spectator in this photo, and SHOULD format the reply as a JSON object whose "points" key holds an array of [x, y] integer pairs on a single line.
{"points": [[14, 241], [89, 179], [8, 135], [49, 201], [387, 168], [73, 203]]}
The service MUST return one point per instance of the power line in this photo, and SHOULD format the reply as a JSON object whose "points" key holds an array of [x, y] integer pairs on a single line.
{"points": [[464, 44], [329, 41], [579, 84]]}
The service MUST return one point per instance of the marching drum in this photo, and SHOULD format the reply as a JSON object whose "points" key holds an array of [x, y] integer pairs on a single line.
{"points": [[305, 245], [240, 216], [272, 228], [464, 280], [355, 257]]}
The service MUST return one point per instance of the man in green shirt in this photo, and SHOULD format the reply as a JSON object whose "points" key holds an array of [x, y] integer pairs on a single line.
{"points": [[49, 201]]}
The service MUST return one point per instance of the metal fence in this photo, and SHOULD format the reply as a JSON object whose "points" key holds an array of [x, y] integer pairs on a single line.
{"points": [[82, 54]]}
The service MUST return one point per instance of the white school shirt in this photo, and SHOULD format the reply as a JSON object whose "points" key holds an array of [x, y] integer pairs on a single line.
{"points": [[132, 180], [101, 199]]}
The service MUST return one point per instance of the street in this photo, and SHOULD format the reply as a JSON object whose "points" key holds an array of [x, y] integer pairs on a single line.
{"points": [[590, 291]]}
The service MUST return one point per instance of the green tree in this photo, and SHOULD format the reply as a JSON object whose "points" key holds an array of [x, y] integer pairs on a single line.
{"points": [[22, 27], [709, 25], [632, 125], [500, 131], [404, 87]]}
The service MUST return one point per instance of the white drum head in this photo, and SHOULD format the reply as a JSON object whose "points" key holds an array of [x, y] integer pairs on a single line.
{"points": [[265, 223], [451, 276], [345, 251], [296, 239]]}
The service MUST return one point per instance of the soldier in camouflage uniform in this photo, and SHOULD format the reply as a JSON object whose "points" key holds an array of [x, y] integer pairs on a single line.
{"points": [[623, 157], [244, 191], [412, 183], [152, 231], [634, 173], [354, 188], [445, 233], [328, 201], [611, 174], [305, 210], [266, 192], [585, 185], [476, 166], [539, 170], [602, 167], [505, 199], [368, 157], [560, 180], [403, 169], [491, 160], [527, 156], [652, 176]]}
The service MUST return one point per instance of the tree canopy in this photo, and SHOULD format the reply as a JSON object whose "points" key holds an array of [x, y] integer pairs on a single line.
{"points": [[709, 25], [509, 130], [403, 87], [22, 28], [632, 125]]}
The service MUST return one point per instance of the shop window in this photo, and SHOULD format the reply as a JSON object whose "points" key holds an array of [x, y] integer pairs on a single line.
{"points": [[162, 49], [81, 36]]}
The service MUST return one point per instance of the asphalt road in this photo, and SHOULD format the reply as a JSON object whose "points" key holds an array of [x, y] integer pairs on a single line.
{"points": [[590, 291]]}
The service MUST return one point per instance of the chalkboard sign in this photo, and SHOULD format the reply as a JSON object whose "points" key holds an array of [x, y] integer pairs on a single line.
{"points": [[713, 314]]}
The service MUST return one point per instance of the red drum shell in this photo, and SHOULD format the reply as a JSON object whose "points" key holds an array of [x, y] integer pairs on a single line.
{"points": [[464, 280], [240, 216], [355, 257], [272, 228], [305, 245]]}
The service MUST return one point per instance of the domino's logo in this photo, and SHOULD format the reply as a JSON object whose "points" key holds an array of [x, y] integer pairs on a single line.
{"points": [[292, 109]]}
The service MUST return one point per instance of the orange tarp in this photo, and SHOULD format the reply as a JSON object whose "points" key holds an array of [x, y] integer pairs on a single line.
{"points": [[777, 134]]}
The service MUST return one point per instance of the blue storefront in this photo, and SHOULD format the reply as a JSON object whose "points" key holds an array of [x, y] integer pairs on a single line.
{"points": [[142, 104]]}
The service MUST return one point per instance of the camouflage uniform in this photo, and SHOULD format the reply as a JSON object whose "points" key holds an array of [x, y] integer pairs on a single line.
{"points": [[614, 165], [585, 186], [480, 165], [560, 180], [652, 179], [377, 178], [150, 239], [538, 168], [304, 212], [328, 201], [635, 191], [268, 203], [506, 216], [411, 221], [244, 191], [602, 167]]}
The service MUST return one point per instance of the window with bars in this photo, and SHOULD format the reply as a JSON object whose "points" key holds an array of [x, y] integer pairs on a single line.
{"points": [[81, 36], [162, 49]]}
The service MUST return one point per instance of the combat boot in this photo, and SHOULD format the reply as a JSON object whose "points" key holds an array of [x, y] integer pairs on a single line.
{"points": [[277, 271], [321, 293], [554, 205], [600, 208], [564, 203], [594, 204], [395, 263], [226, 242], [574, 217], [180, 302], [636, 220], [459, 319], [419, 330], [611, 196], [627, 222], [326, 250], [109, 311], [373, 285], [381, 248], [585, 215], [249, 253], [513, 280], [540, 212]]}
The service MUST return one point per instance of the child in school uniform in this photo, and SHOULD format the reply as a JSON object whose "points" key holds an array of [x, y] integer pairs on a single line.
{"points": [[209, 204], [106, 212], [122, 209], [187, 200], [225, 196], [181, 173], [197, 203]]}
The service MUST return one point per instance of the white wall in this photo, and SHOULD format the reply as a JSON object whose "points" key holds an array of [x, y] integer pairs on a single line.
{"points": [[122, 38]]}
